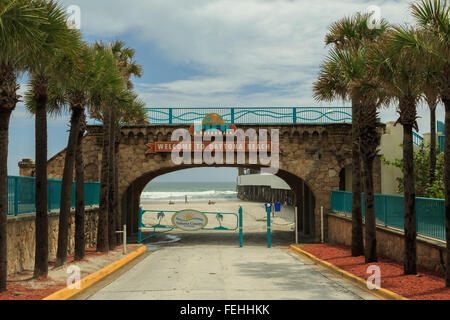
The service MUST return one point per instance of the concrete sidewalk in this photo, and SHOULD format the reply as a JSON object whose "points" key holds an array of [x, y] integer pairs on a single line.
{"points": [[212, 272]]}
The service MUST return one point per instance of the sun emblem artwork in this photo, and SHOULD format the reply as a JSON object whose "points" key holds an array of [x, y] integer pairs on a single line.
{"points": [[189, 220]]}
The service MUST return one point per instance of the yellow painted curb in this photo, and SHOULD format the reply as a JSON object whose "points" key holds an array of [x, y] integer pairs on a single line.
{"points": [[66, 293], [380, 293]]}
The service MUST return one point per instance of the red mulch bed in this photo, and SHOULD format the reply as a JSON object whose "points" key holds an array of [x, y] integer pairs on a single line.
{"points": [[18, 287], [426, 286]]}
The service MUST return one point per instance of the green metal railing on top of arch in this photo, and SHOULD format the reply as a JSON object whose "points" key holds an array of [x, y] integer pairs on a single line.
{"points": [[263, 115], [244, 115]]}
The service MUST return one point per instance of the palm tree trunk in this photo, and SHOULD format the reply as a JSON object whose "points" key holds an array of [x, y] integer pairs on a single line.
{"points": [[112, 195], [41, 221], [433, 143], [370, 222], [357, 230], [410, 200], [66, 187], [116, 181], [370, 141], [80, 236], [446, 102], [5, 115], [8, 101], [102, 230]]}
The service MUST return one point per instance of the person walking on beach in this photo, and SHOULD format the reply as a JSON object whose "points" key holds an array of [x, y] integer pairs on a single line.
{"points": [[185, 199]]}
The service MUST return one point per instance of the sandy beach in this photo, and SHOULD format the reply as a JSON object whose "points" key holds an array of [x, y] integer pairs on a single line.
{"points": [[254, 223]]}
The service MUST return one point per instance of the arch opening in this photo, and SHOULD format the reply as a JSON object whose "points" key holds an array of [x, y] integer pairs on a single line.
{"points": [[300, 196]]}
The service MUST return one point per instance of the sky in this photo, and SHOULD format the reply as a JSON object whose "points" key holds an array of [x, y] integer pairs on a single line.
{"points": [[200, 53]]}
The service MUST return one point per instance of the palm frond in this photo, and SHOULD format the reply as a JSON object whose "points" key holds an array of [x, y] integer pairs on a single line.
{"points": [[20, 31]]}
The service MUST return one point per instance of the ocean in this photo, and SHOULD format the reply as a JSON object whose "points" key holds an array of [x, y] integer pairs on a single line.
{"points": [[196, 191]]}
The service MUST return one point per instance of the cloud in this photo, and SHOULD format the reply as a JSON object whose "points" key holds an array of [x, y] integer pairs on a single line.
{"points": [[253, 52], [236, 43]]}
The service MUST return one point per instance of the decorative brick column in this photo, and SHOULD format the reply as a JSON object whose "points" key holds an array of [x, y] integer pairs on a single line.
{"points": [[27, 168]]}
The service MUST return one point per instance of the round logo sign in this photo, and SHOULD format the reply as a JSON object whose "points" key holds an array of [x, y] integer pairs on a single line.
{"points": [[189, 220], [212, 118]]}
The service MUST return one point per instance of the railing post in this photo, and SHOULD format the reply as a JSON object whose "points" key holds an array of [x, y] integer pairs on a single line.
{"points": [[241, 235], [140, 226], [124, 239], [269, 240], [322, 236], [16, 196], [232, 115], [170, 116], [294, 115], [296, 224]]}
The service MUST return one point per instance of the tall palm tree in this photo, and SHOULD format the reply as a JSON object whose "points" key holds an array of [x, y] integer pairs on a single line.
{"points": [[79, 79], [88, 77], [125, 59], [105, 102], [341, 76], [58, 39], [400, 71], [20, 38], [432, 17]]}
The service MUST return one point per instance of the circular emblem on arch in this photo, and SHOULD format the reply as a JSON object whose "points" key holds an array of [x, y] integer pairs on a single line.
{"points": [[213, 119], [189, 220]]}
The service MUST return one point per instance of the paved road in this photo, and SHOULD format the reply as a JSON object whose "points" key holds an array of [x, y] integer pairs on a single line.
{"points": [[224, 272]]}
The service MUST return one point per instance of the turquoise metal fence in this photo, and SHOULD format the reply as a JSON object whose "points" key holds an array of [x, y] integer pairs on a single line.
{"points": [[389, 212], [243, 115], [441, 140], [417, 139], [22, 194]]}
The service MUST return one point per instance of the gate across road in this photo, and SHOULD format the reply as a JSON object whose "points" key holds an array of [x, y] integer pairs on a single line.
{"points": [[187, 220]]}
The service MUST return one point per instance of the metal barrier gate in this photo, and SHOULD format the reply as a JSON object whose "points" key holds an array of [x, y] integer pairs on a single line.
{"points": [[187, 220]]}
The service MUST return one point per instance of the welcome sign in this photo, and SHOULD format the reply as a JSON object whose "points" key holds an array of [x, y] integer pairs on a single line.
{"points": [[189, 220], [167, 147]]}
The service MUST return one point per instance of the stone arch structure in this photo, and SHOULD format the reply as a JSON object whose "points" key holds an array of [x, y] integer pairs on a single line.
{"points": [[311, 157], [313, 154]]}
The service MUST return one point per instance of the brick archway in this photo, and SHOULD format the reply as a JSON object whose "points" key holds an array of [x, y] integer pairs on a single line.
{"points": [[313, 154], [131, 197]]}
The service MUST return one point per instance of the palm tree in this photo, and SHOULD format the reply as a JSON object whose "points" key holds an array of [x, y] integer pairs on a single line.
{"points": [[432, 17], [110, 115], [20, 38], [400, 72], [342, 75], [125, 59], [87, 78], [75, 90], [58, 38], [104, 102]]}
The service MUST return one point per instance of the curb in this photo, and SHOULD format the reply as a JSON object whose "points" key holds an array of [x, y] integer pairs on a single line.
{"points": [[380, 293], [85, 283]]}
